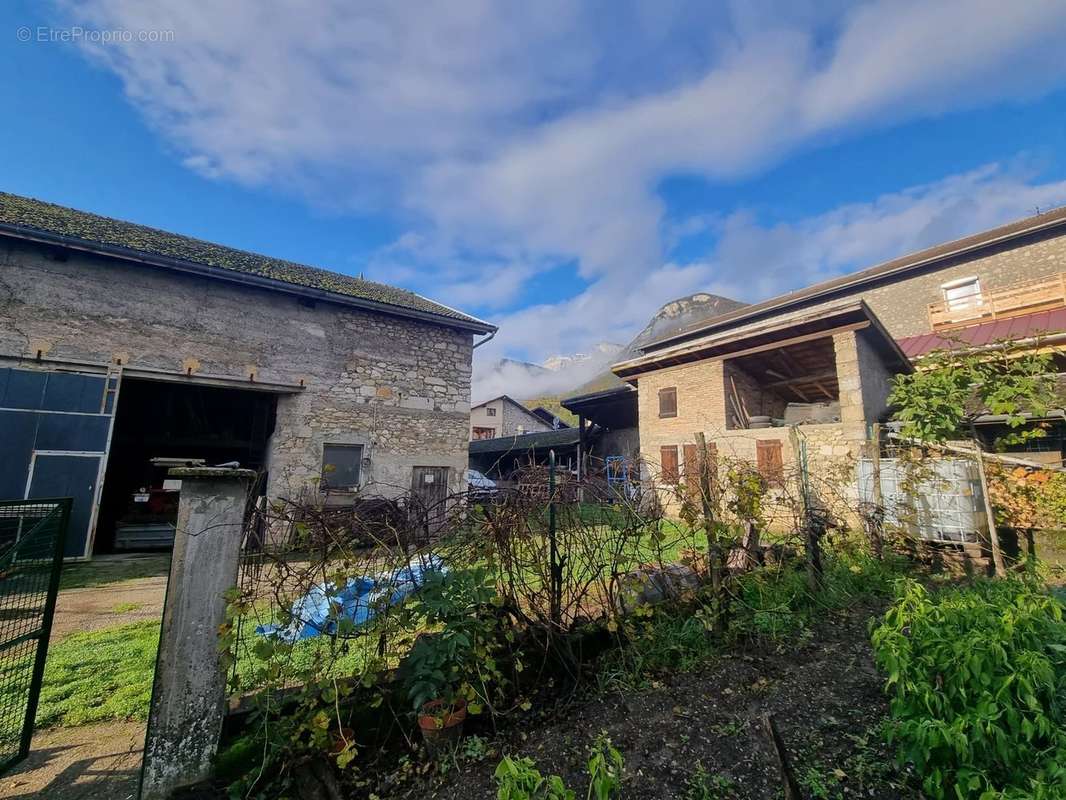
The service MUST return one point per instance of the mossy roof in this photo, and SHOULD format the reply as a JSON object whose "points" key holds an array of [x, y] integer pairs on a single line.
{"points": [[27, 216]]}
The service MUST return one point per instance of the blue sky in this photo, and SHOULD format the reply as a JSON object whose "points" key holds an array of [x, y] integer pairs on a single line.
{"points": [[561, 169]]}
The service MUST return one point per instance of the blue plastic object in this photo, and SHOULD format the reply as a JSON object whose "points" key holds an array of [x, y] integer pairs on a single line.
{"points": [[359, 600]]}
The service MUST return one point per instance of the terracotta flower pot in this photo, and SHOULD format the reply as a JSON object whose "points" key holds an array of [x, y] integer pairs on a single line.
{"points": [[340, 739], [440, 725]]}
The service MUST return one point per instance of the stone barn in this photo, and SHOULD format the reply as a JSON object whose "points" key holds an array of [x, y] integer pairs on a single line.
{"points": [[126, 349]]}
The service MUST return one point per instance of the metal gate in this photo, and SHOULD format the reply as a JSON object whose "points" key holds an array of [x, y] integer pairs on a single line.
{"points": [[32, 537]]}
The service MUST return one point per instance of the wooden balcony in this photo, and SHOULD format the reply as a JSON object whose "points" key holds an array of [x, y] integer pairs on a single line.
{"points": [[1043, 294]]}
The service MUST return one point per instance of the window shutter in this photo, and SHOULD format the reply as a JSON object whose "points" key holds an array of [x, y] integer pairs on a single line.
{"points": [[769, 460], [668, 464], [692, 463], [668, 402], [712, 457]]}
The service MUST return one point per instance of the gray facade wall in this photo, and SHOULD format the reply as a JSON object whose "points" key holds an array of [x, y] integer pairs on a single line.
{"points": [[509, 417], [400, 387], [515, 417]]}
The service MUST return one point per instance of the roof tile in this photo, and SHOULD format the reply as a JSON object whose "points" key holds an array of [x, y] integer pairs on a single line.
{"points": [[27, 215]]}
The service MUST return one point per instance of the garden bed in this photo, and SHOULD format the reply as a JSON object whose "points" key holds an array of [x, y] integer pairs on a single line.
{"points": [[700, 734]]}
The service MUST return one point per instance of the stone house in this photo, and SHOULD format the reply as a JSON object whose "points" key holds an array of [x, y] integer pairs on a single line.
{"points": [[822, 358], [504, 416], [124, 348]]}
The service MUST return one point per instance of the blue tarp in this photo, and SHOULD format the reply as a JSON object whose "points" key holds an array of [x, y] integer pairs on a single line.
{"points": [[319, 611]]}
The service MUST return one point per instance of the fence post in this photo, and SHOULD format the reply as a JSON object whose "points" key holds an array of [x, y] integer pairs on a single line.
{"points": [[555, 611], [878, 515], [998, 567], [189, 690]]}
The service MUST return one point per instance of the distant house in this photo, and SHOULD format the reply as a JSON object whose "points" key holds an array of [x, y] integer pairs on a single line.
{"points": [[550, 417], [125, 348], [822, 358], [504, 416]]}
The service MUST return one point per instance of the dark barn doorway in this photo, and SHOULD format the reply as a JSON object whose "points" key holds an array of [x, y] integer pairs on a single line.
{"points": [[160, 421]]}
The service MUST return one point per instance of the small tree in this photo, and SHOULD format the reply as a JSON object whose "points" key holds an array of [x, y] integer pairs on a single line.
{"points": [[953, 387]]}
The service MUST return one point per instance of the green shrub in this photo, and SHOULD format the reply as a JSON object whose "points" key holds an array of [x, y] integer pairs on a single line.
{"points": [[977, 676], [776, 601], [658, 640], [519, 779]]}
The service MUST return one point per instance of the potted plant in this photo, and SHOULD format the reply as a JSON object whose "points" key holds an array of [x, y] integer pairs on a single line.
{"points": [[447, 673], [435, 686]]}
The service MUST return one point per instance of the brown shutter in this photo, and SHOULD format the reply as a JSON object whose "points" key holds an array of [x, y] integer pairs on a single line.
{"points": [[668, 463], [768, 458], [712, 458], [692, 463], [668, 402]]}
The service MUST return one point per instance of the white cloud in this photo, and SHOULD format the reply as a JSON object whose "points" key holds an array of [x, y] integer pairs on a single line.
{"points": [[752, 261], [515, 137]]}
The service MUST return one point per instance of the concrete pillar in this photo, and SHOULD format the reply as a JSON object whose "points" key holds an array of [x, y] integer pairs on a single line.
{"points": [[189, 691]]}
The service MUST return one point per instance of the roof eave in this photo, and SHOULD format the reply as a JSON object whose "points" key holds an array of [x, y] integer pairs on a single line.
{"points": [[243, 278], [861, 278], [698, 351]]}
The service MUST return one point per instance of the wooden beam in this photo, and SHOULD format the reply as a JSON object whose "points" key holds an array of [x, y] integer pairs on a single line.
{"points": [[820, 376], [825, 391], [695, 353]]}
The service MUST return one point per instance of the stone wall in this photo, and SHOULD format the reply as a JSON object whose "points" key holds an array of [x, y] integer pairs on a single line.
{"points": [[702, 391], [400, 387], [756, 400], [515, 417], [623, 442]]}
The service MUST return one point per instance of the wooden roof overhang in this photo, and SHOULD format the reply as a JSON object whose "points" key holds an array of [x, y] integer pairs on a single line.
{"points": [[613, 409], [788, 335]]}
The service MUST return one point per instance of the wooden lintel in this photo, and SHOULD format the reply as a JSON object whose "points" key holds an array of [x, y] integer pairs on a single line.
{"points": [[629, 370], [820, 376], [808, 337]]}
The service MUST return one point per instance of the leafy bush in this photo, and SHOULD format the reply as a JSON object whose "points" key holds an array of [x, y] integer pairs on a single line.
{"points": [[657, 640], [519, 779], [977, 676], [458, 661], [776, 601]]}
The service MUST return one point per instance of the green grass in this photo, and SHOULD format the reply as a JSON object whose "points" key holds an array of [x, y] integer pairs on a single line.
{"points": [[103, 571], [126, 608], [95, 676], [105, 675]]}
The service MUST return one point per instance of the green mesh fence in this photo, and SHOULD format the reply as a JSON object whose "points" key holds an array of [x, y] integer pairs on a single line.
{"points": [[31, 557]]}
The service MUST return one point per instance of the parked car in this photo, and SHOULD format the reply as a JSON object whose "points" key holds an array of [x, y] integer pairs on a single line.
{"points": [[480, 487]]}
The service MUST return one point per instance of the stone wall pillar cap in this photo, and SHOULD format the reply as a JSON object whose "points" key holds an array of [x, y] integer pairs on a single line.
{"points": [[215, 473]]}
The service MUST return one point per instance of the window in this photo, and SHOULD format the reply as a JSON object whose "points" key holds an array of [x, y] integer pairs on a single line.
{"points": [[963, 293], [490, 412], [341, 465], [484, 433], [768, 460], [668, 464], [668, 402]]}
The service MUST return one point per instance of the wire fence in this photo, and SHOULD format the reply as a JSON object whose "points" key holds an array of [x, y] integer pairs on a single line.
{"points": [[31, 556]]}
